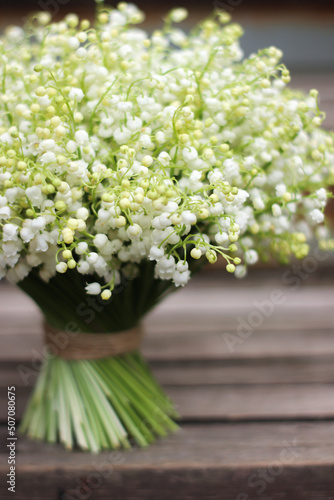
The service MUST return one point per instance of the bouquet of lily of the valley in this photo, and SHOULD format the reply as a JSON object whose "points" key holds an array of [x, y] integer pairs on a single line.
{"points": [[127, 161]]}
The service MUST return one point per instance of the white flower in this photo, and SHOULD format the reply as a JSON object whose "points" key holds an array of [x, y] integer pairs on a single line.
{"points": [[160, 137], [19, 272], [178, 37], [10, 232], [189, 154], [164, 158], [280, 190], [114, 246], [11, 248], [221, 238], [6, 138], [166, 263], [71, 146], [82, 213], [240, 271], [181, 279], [258, 203], [47, 145], [178, 15], [217, 209], [231, 168], [93, 288], [4, 212], [182, 266], [83, 267], [26, 234], [251, 256], [134, 123], [61, 267], [41, 243], [134, 231], [81, 248], [3, 200], [38, 224], [156, 253], [162, 221], [120, 163], [124, 106], [48, 157], [76, 94], [321, 194], [73, 43], [35, 195], [122, 136], [81, 53], [276, 210], [169, 236], [81, 137], [317, 216], [15, 33], [145, 141], [103, 215], [117, 18], [249, 162], [92, 257], [196, 176], [100, 241], [44, 101], [188, 217], [100, 266]]}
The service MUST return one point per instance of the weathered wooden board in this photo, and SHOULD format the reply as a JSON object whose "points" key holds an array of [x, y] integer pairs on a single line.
{"points": [[257, 408], [305, 482], [266, 371], [234, 402], [214, 444], [206, 320], [199, 345], [219, 461]]}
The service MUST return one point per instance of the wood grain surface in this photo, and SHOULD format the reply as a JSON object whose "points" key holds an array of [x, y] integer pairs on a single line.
{"points": [[255, 391]]}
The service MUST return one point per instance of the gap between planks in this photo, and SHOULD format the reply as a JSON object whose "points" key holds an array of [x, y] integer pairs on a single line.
{"points": [[234, 402], [238, 444], [216, 462]]}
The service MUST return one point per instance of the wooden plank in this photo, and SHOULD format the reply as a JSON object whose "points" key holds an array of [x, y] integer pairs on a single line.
{"points": [[203, 344], [220, 443], [234, 296], [314, 370], [305, 482], [225, 294], [234, 402], [195, 323], [216, 462], [267, 372], [283, 370], [254, 402]]}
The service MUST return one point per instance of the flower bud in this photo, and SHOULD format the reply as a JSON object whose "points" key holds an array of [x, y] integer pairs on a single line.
{"points": [[196, 253]]}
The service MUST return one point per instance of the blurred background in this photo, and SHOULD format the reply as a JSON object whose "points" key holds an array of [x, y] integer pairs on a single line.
{"points": [[303, 29]]}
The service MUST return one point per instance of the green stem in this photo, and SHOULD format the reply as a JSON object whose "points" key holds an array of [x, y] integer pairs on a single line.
{"points": [[104, 403], [98, 404]]}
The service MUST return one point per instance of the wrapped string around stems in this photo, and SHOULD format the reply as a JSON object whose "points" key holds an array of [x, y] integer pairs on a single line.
{"points": [[106, 403], [78, 345], [95, 404]]}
